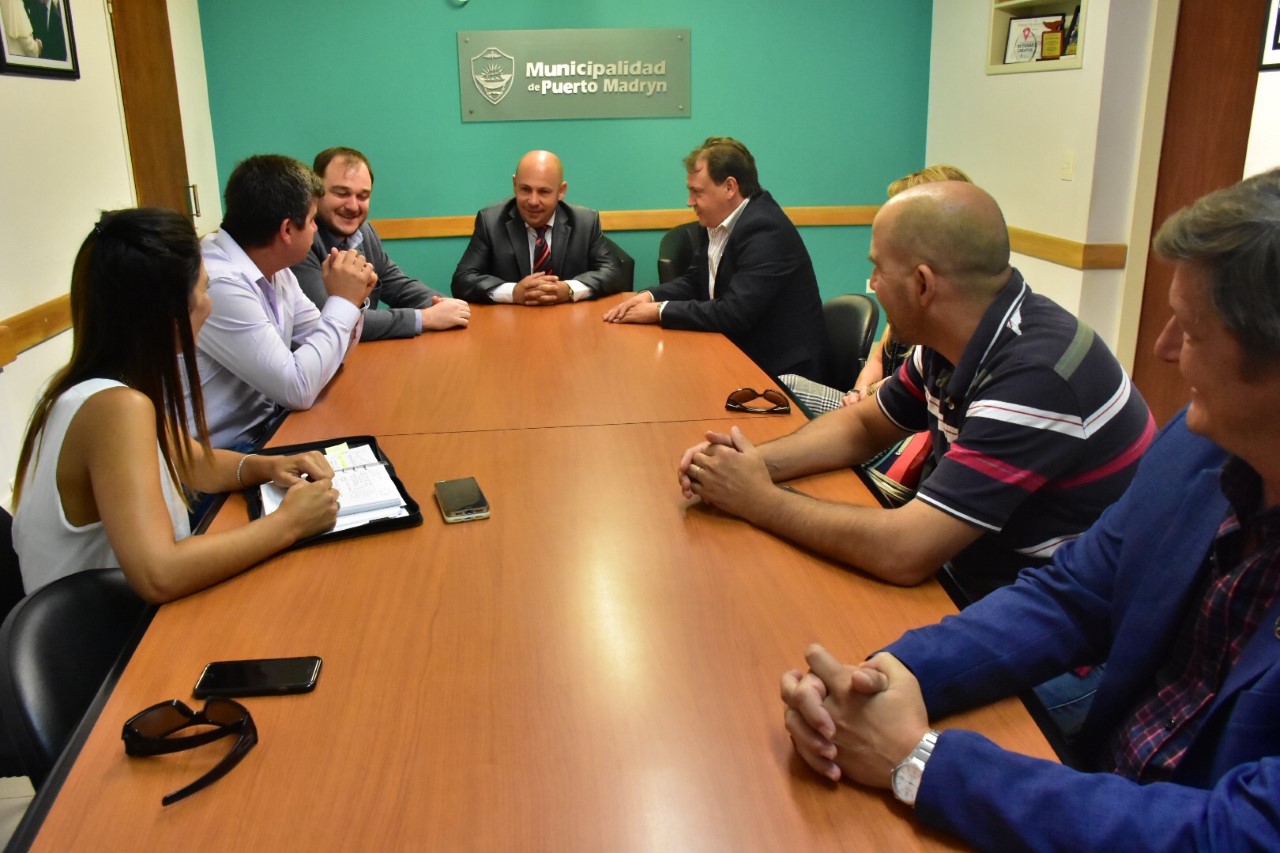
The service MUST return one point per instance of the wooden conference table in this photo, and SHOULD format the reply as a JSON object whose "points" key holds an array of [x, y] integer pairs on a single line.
{"points": [[594, 668]]}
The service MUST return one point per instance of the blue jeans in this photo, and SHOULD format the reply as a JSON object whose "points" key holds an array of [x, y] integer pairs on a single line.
{"points": [[1067, 698]]}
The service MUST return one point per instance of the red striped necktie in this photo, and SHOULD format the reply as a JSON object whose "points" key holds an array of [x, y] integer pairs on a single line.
{"points": [[542, 252]]}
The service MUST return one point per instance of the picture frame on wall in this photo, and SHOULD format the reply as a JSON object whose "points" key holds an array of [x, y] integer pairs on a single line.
{"points": [[1024, 37], [37, 39], [1271, 38]]}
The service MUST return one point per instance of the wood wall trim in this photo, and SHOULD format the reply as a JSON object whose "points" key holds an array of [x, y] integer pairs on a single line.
{"points": [[424, 226], [38, 324], [8, 348], [1046, 247], [1068, 253], [34, 326]]}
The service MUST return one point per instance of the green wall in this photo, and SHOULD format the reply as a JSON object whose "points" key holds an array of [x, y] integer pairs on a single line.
{"points": [[830, 96]]}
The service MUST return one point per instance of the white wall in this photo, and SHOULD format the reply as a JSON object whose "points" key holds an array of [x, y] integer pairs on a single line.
{"points": [[67, 162], [1015, 133]]}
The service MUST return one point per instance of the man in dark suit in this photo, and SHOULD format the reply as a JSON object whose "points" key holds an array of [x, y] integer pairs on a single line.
{"points": [[46, 26], [534, 249], [1177, 585], [751, 278], [399, 306]]}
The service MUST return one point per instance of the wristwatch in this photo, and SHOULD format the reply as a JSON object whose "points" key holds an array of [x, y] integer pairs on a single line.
{"points": [[906, 776]]}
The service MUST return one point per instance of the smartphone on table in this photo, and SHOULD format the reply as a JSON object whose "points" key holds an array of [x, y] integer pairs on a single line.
{"points": [[461, 500], [263, 677]]}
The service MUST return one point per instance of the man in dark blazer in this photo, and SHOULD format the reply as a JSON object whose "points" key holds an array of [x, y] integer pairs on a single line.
{"points": [[399, 306], [1177, 585], [751, 278], [47, 27], [534, 249]]}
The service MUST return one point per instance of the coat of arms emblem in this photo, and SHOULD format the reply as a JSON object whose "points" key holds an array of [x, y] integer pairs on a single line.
{"points": [[493, 72]]}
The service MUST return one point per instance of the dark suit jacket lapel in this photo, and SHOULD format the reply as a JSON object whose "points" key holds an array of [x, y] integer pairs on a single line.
{"points": [[519, 241], [561, 233], [729, 259], [702, 263]]}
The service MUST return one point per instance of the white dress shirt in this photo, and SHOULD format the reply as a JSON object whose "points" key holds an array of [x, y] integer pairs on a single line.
{"points": [[265, 344], [717, 238]]}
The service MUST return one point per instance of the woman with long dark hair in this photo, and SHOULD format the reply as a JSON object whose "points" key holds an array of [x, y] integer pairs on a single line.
{"points": [[110, 456]]}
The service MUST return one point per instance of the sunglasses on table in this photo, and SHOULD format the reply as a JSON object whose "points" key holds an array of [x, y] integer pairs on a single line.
{"points": [[154, 732], [739, 399]]}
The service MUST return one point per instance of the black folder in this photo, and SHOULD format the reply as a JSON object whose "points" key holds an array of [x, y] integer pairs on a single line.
{"points": [[413, 519]]}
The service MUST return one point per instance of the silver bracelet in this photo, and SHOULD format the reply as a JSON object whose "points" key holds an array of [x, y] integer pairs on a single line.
{"points": [[240, 469]]}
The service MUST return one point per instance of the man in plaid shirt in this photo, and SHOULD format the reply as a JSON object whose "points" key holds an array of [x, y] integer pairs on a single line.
{"points": [[1177, 586]]}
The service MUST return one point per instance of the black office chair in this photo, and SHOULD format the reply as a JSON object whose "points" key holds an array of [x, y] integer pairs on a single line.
{"points": [[627, 281], [676, 251], [851, 322], [56, 648], [11, 593]]}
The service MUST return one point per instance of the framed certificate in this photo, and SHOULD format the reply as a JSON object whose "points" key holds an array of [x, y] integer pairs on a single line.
{"points": [[1024, 37], [1271, 41]]}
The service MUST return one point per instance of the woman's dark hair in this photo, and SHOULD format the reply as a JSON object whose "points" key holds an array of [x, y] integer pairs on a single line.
{"points": [[131, 290]]}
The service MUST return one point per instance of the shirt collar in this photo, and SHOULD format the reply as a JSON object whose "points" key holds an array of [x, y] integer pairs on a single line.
{"points": [[551, 224], [331, 240], [236, 255], [1003, 318], [1242, 487], [730, 220]]}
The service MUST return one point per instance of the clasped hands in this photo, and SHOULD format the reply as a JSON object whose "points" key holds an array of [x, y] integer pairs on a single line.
{"points": [[856, 721], [541, 288], [727, 472], [347, 274]]}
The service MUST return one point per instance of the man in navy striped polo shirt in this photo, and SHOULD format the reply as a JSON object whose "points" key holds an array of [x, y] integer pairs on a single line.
{"points": [[1036, 428]]}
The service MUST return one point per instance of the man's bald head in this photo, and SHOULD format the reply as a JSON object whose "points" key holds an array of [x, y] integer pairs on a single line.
{"points": [[543, 164], [955, 228], [539, 186]]}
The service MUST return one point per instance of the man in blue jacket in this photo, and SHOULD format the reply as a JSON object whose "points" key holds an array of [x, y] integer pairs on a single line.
{"points": [[1177, 586]]}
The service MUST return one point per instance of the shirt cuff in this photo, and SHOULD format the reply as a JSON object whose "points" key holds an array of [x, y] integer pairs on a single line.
{"points": [[577, 290], [417, 321], [503, 293], [342, 310]]}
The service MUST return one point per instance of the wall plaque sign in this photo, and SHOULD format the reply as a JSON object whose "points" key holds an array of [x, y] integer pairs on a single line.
{"points": [[520, 75]]}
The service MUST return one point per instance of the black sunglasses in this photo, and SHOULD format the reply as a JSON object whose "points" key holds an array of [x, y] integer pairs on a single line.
{"points": [[148, 733], [738, 400]]}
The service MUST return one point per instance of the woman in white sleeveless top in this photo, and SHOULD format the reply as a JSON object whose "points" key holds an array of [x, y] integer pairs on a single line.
{"points": [[108, 452]]}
